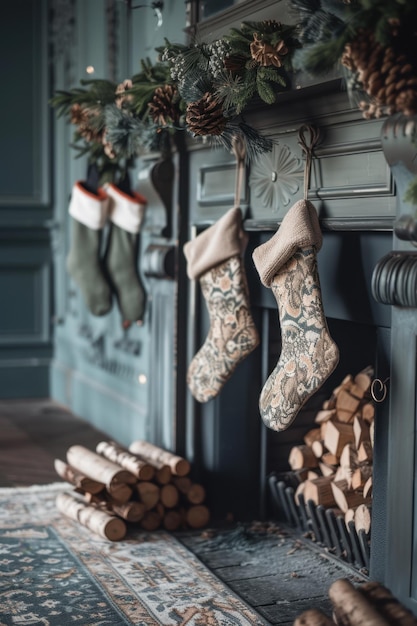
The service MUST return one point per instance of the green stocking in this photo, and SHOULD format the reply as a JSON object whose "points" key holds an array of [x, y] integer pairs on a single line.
{"points": [[89, 214], [126, 215]]}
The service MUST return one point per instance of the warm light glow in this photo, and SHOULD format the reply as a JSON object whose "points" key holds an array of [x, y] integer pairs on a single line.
{"points": [[89, 69], [142, 379]]}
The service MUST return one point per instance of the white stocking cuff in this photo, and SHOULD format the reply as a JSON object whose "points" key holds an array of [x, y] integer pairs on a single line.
{"points": [[126, 211], [88, 208]]}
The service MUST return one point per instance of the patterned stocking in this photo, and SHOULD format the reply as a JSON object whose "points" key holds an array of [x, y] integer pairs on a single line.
{"points": [[89, 213], [126, 215], [215, 257], [287, 264]]}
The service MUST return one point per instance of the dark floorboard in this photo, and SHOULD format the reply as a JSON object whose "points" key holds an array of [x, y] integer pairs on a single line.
{"points": [[275, 571]]}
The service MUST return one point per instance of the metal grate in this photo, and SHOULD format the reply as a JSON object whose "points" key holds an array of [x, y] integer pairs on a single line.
{"points": [[321, 524]]}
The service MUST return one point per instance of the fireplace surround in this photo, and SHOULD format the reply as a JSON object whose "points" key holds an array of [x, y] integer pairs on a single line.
{"points": [[360, 171]]}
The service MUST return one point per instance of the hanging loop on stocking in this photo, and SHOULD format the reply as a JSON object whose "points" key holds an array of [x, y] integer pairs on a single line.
{"points": [[308, 144], [239, 150]]}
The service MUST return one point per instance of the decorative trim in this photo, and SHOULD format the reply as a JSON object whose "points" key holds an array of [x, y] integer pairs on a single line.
{"points": [[394, 280], [207, 190], [275, 177]]}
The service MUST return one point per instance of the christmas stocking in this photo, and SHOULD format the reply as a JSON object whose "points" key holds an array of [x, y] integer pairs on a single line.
{"points": [[126, 215], [215, 258], [89, 214], [287, 264]]}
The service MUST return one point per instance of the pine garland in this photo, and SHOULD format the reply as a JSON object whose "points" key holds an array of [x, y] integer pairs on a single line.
{"points": [[205, 88]]}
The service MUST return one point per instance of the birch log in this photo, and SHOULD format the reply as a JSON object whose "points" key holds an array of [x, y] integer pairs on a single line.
{"points": [[97, 467], [98, 521], [351, 607], [130, 462], [76, 478], [151, 453], [313, 617]]}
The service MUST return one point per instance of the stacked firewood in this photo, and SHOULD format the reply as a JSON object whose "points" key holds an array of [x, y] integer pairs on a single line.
{"points": [[369, 604], [334, 464], [142, 485]]}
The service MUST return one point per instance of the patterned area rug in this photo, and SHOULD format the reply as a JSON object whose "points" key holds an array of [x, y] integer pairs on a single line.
{"points": [[54, 572]]}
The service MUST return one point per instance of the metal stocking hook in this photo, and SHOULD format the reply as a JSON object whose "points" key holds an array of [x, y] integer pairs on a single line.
{"points": [[379, 389], [308, 148]]}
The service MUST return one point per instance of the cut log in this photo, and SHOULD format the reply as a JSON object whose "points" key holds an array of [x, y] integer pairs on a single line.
{"points": [[98, 468], [148, 494], [346, 498], [131, 511], [351, 607], [120, 492], [364, 379], [320, 491], [365, 453], [372, 433], [311, 436], [337, 435], [325, 415], [360, 431], [343, 474], [193, 492], [153, 454], [360, 476], [367, 488], [313, 617], [301, 474], [326, 470], [323, 428], [368, 412], [389, 607], [151, 520], [76, 478], [163, 475], [197, 516], [302, 456], [330, 459], [362, 518], [346, 406], [172, 520], [318, 449], [100, 522], [329, 404], [349, 457], [130, 462], [169, 496]]}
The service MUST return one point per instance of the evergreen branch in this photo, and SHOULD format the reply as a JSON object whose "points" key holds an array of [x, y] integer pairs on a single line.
{"points": [[411, 192]]}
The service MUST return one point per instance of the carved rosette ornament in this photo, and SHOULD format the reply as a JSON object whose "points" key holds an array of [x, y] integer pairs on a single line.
{"points": [[275, 177]]}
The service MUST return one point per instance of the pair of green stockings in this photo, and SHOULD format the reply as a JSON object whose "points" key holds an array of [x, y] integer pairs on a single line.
{"points": [[98, 277]]}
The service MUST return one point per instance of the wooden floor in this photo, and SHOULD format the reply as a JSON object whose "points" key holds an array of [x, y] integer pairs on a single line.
{"points": [[275, 571]]}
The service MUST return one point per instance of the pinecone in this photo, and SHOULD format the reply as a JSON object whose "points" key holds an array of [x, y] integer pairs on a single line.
{"points": [[86, 120], [163, 107], [205, 116], [387, 75], [265, 53]]}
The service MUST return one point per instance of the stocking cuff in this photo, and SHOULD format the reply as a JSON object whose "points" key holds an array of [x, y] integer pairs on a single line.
{"points": [[88, 208], [126, 211], [300, 228], [226, 238]]}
